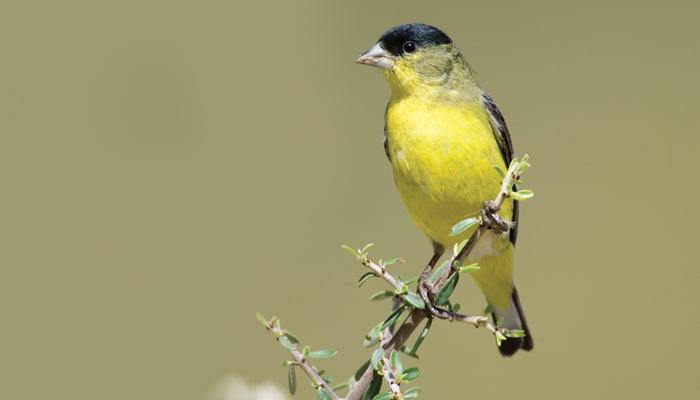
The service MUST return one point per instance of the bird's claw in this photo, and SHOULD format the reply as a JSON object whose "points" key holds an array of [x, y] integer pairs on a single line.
{"points": [[491, 220], [426, 290]]}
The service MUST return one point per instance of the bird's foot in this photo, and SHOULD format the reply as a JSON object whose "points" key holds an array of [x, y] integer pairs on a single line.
{"points": [[426, 290], [491, 220]]}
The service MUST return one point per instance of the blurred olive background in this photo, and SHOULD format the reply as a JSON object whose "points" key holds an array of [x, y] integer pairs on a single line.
{"points": [[168, 169]]}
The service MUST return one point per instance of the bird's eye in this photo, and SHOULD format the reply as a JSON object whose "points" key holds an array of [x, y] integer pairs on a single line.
{"points": [[409, 47]]}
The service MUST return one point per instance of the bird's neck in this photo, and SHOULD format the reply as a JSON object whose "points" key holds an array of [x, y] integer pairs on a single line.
{"points": [[444, 81]]}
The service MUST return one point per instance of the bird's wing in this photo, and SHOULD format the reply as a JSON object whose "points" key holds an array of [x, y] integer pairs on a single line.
{"points": [[386, 145], [500, 130], [386, 141]]}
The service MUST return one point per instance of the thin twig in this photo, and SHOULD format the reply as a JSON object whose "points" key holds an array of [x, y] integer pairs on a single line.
{"points": [[387, 371], [390, 378], [302, 362], [381, 272]]}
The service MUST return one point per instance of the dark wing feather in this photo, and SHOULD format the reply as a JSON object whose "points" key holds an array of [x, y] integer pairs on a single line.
{"points": [[386, 145], [500, 130], [386, 140]]}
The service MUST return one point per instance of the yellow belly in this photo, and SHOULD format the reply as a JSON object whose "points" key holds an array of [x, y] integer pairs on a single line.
{"points": [[443, 159]]}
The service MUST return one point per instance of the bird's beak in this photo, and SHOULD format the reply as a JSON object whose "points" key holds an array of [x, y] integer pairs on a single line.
{"points": [[376, 57]]}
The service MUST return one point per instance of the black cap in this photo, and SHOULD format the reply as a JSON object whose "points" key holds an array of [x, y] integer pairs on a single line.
{"points": [[421, 35]]}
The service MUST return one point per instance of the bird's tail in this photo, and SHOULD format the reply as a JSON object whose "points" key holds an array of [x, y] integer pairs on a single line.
{"points": [[514, 318]]}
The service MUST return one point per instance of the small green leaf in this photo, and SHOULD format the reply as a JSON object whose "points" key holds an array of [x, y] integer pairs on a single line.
{"points": [[513, 163], [455, 307], [381, 295], [411, 393], [515, 333], [407, 352], [322, 394], [488, 310], [395, 362], [341, 386], [369, 342], [522, 194], [459, 246], [383, 396], [439, 271], [377, 359], [350, 251], [414, 300], [261, 318], [292, 337], [402, 290], [361, 371], [305, 350], [410, 374], [374, 387], [391, 319], [411, 280], [292, 380], [446, 291], [276, 323], [499, 338], [319, 354], [372, 336], [468, 268], [421, 337], [463, 225], [366, 248], [499, 171], [286, 343], [393, 261], [364, 278]]}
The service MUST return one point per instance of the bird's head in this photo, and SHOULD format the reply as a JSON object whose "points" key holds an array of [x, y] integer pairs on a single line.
{"points": [[417, 58]]}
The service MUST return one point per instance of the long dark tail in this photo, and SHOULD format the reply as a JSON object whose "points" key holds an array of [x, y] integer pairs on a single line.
{"points": [[515, 319]]}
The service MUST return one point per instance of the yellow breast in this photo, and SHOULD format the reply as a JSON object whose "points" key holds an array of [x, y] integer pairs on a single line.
{"points": [[443, 159]]}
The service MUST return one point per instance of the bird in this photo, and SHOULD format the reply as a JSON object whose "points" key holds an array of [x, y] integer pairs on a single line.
{"points": [[444, 135]]}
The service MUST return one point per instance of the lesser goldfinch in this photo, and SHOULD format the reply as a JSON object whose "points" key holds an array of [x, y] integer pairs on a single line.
{"points": [[443, 136]]}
